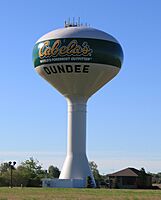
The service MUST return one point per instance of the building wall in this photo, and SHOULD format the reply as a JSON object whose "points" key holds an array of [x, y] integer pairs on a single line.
{"points": [[144, 182], [123, 182], [128, 182]]}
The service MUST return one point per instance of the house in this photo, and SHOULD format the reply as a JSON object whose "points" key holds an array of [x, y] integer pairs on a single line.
{"points": [[130, 178]]}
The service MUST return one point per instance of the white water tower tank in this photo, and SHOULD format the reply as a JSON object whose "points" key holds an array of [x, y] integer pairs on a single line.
{"points": [[77, 61]]}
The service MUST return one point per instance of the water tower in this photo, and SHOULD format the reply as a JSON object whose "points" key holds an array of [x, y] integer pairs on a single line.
{"points": [[77, 60]]}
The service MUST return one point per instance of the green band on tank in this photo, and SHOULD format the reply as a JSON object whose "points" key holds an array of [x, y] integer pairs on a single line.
{"points": [[77, 50]]}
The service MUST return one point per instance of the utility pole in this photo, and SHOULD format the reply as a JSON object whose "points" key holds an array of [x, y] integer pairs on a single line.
{"points": [[11, 165]]}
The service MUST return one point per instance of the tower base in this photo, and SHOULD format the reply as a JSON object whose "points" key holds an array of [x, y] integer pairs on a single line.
{"points": [[64, 183]]}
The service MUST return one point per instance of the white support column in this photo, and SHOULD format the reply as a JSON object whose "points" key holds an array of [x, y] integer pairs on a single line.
{"points": [[76, 164], [76, 127]]}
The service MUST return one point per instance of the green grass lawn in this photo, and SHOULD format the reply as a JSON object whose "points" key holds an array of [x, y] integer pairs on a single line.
{"points": [[77, 194]]}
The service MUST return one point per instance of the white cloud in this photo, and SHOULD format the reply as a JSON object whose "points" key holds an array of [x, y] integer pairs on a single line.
{"points": [[45, 158], [107, 163], [113, 162]]}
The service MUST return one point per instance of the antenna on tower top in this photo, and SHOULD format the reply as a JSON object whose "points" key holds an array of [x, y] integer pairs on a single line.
{"points": [[74, 23], [78, 21]]}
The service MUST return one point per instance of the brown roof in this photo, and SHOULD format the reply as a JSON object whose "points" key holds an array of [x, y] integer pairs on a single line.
{"points": [[126, 172]]}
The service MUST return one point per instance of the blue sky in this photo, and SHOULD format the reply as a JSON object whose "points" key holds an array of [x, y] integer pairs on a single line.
{"points": [[124, 117]]}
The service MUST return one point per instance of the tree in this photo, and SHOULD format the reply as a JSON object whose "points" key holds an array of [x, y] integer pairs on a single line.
{"points": [[32, 165], [143, 178], [97, 176], [4, 167], [156, 178], [4, 174], [33, 170], [5, 179], [54, 172], [29, 173], [94, 169], [89, 182], [22, 176]]}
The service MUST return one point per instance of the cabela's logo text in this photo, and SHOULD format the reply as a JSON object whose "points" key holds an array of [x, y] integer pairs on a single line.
{"points": [[72, 49]]}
